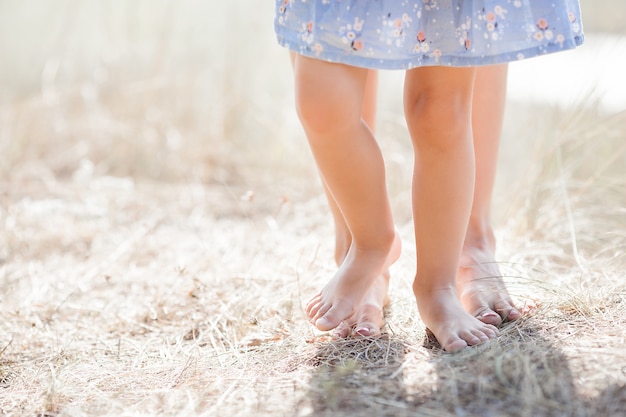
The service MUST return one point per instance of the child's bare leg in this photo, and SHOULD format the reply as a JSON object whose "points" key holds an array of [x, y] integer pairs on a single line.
{"points": [[368, 317], [438, 111], [329, 99], [343, 237], [368, 106], [479, 281]]}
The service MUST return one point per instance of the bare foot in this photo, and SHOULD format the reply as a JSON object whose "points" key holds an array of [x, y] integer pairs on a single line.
{"points": [[369, 315], [340, 299], [454, 328], [481, 289]]}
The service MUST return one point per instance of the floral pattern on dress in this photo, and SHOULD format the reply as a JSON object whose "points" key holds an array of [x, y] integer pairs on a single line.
{"points": [[403, 34]]}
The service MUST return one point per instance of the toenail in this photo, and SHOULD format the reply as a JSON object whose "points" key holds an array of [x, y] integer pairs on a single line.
{"points": [[490, 314], [363, 331]]}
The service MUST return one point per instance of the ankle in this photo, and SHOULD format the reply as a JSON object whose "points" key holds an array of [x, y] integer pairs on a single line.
{"points": [[424, 287], [381, 245], [342, 245], [480, 235]]}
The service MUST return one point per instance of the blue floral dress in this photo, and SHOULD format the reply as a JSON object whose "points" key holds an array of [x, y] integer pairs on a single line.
{"points": [[403, 34]]}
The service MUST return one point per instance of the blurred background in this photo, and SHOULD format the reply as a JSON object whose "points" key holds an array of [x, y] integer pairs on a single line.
{"points": [[199, 92], [148, 150]]}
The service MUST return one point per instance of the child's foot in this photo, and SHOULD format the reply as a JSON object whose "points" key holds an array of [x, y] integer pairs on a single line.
{"points": [[455, 329], [340, 299], [481, 288], [369, 316]]}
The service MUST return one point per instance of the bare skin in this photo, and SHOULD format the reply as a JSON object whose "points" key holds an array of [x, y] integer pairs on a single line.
{"points": [[368, 317], [438, 111], [329, 102], [339, 305], [479, 281], [485, 299]]}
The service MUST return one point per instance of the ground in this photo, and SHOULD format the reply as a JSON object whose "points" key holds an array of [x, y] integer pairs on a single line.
{"points": [[143, 299], [162, 227]]}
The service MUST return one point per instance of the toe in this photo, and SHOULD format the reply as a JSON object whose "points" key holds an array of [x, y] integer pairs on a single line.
{"points": [[514, 314], [312, 311], [482, 336], [321, 311], [469, 337], [455, 345], [491, 332], [488, 316], [367, 329], [313, 305], [328, 320], [507, 310], [342, 331], [325, 323], [370, 321]]}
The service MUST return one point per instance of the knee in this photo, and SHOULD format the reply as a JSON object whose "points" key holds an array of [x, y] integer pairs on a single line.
{"points": [[321, 112], [315, 112], [328, 96], [438, 120]]}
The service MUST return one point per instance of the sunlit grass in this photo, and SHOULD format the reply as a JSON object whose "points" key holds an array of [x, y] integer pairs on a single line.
{"points": [[161, 225]]}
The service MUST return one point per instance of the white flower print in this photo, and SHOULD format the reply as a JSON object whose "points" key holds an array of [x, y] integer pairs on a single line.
{"points": [[436, 54], [318, 49], [412, 33], [500, 12], [358, 24]]}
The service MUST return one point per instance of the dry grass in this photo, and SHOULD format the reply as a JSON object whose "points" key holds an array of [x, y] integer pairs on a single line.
{"points": [[160, 230]]}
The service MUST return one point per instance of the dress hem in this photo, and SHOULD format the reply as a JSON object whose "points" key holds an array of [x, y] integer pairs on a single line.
{"points": [[429, 60]]}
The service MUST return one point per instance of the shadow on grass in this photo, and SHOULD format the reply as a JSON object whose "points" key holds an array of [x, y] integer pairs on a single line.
{"points": [[357, 377], [522, 373]]}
